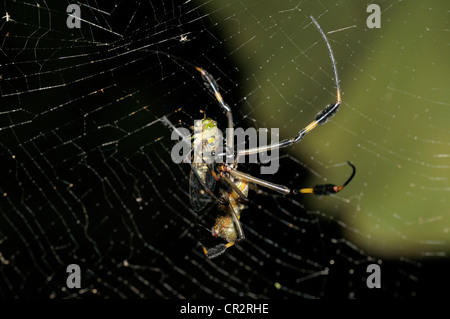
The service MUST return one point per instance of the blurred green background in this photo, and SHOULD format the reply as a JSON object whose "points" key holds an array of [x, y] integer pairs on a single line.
{"points": [[395, 118]]}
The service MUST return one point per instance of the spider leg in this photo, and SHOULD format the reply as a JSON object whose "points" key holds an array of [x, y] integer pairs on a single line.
{"points": [[212, 86], [321, 189], [254, 180], [327, 189], [240, 231], [321, 118]]}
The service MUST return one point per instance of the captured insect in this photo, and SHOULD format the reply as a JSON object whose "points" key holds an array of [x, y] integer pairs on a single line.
{"points": [[234, 192], [201, 179]]}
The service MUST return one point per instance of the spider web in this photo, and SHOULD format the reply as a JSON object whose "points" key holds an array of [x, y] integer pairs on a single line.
{"points": [[86, 175]]}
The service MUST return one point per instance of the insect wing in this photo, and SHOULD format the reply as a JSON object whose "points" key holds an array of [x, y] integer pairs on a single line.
{"points": [[197, 194]]}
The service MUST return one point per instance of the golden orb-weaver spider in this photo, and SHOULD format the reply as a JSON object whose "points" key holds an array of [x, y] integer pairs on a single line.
{"points": [[232, 199]]}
